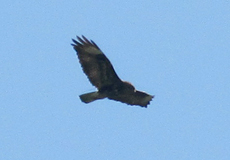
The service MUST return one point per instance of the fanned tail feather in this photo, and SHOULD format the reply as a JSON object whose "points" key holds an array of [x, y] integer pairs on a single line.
{"points": [[90, 97]]}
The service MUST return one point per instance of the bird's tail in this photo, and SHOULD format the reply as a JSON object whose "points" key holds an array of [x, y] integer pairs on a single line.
{"points": [[89, 97]]}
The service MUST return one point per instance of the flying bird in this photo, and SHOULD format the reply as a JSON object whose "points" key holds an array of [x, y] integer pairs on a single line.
{"points": [[102, 75]]}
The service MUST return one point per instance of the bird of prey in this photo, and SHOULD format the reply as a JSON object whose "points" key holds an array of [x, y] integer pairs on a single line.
{"points": [[102, 75]]}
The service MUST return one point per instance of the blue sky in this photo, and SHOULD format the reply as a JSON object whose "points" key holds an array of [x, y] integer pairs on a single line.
{"points": [[178, 51]]}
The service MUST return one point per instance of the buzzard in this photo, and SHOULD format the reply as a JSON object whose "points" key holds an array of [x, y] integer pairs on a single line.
{"points": [[102, 75]]}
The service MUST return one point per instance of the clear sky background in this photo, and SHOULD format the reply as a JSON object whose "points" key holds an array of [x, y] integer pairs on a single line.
{"points": [[178, 51]]}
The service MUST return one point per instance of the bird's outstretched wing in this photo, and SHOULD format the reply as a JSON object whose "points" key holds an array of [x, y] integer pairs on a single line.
{"points": [[134, 98], [95, 64]]}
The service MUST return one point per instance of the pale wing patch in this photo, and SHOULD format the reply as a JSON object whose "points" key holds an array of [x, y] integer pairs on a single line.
{"points": [[93, 50], [147, 99]]}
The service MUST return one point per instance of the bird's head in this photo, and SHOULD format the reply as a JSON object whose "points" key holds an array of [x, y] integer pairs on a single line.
{"points": [[129, 85]]}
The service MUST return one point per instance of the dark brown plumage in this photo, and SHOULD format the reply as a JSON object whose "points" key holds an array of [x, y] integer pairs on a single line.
{"points": [[102, 75]]}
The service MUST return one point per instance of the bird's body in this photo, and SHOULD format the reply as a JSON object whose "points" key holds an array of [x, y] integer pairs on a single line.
{"points": [[102, 75]]}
